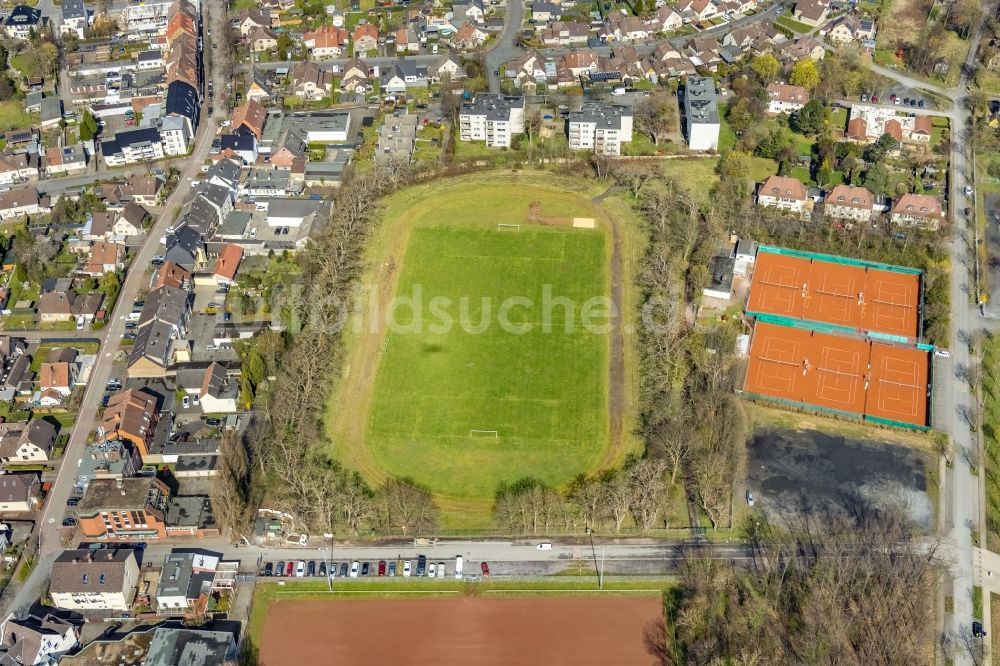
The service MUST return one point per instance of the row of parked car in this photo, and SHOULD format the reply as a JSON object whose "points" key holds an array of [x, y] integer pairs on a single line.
{"points": [[355, 569]]}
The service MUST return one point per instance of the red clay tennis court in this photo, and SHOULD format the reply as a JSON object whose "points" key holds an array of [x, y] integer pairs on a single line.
{"points": [[777, 285], [858, 297], [898, 384], [805, 366], [891, 302], [843, 374]]}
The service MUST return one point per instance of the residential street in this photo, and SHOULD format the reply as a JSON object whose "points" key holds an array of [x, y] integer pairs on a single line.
{"points": [[50, 523], [963, 505], [506, 47]]}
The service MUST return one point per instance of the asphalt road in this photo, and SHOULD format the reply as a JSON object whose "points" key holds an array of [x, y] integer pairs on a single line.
{"points": [[518, 558], [49, 530], [505, 48]]}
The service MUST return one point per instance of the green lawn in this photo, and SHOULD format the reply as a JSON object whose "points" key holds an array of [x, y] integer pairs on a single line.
{"points": [[13, 116], [698, 173], [790, 23], [540, 386], [991, 439]]}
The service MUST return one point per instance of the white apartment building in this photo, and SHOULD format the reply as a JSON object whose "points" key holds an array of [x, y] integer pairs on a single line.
{"points": [[601, 128], [175, 134], [701, 113], [492, 118]]}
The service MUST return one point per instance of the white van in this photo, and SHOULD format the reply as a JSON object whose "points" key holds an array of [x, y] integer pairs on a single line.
{"points": [[618, 92], [434, 49], [458, 567], [133, 316]]}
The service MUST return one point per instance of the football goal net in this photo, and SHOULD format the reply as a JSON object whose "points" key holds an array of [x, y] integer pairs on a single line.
{"points": [[483, 433], [509, 227]]}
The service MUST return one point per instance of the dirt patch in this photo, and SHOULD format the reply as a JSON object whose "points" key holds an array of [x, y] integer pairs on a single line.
{"points": [[465, 631], [905, 21]]}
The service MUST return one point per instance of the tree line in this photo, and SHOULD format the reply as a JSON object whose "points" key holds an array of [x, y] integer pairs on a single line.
{"points": [[286, 450], [818, 590]]}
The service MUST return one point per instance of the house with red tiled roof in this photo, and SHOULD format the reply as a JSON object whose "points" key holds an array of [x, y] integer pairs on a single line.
{"points": [[227, 264], [104, 258], [847, 202], [173, 275], [469, 36], [785, 98], [785, 194], [250, 117], [918, 210], [365, 38], [326, 42]]}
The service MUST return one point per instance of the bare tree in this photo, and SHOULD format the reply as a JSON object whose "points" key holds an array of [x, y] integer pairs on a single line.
{"points": [[647, 490], [231, 493], [406, 507], [656, 115]]}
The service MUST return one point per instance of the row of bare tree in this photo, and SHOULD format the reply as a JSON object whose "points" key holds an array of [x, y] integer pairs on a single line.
{"points": [[286, 450], [819, 590], [690, 418], [633, 495]]}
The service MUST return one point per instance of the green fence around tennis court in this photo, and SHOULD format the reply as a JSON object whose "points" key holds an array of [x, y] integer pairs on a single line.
{"points": [[838, 413], [834, 259]]}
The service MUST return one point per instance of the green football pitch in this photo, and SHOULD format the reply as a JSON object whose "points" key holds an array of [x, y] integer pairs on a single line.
{"points": [[482, 378]]}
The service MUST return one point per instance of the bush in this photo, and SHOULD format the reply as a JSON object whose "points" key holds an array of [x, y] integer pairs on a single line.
{"points": [[994, 168]]}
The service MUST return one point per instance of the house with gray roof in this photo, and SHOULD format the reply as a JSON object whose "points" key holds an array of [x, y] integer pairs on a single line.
{"points": [[87, 579], [192, 647]]}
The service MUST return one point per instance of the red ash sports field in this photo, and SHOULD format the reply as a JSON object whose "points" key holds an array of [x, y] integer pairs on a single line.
{"points": [[862, 298], [839, 373], [463, 631]]}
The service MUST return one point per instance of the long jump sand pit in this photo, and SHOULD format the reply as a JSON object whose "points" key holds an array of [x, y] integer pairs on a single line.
{"points": [[464, 631]]}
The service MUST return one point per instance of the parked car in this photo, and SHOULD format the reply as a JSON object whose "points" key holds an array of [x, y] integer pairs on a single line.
{"points": [[290, 568], [322, 569], [440, 570], [485, 567], [343, 570], [392, 569], [458, 567], [215, 422], [381, 567], [311, 569], [196, 399], [279, 569], [421, 565], [431, 570], [749, 498], [977, 629], [407, 567], [943, 353], [355, 567], [269, 568], [300, 569], [365, 569], [544, 546], [186, 402], [69, 522], [73, 501]]}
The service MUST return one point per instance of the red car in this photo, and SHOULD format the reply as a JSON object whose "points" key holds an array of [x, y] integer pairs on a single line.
{"points": [[485, 567], [381, 567], [290, 569]]}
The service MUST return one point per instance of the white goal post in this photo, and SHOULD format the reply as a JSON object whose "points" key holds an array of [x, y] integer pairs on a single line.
{"points": [[515, 227], [483, 433]]}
